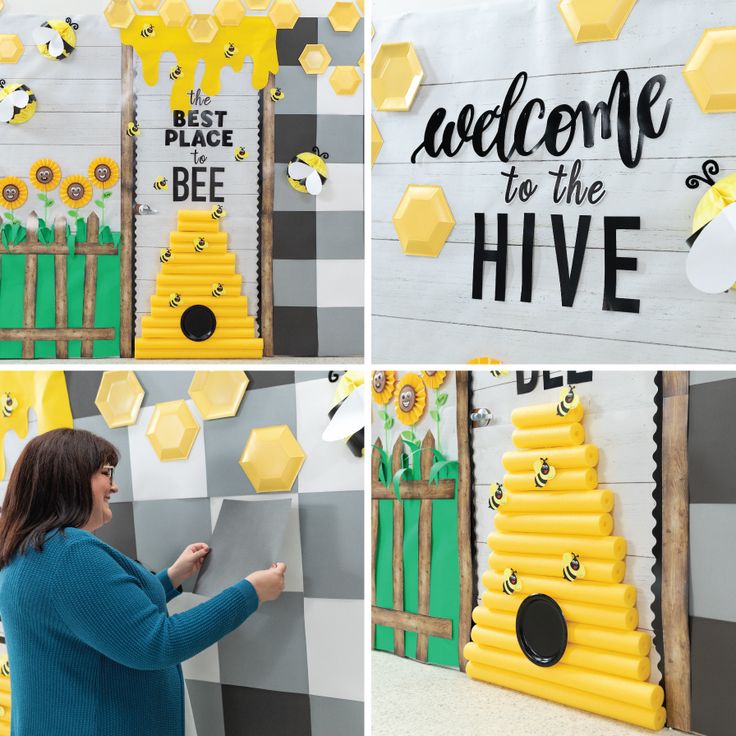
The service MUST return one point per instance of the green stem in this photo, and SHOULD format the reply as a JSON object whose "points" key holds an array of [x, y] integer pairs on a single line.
{"points": [[103, 209], [437, 408]]}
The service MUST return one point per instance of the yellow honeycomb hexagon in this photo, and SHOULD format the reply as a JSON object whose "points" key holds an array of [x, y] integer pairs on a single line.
{"points": [[218, 394], [229, 12], [361, 63], [175, 13], [11, 48], [119, 14], [343, 17], [596, 20], [397, 74], [710, 73], [315, 58], [284, 13], [376, 141], [119, 398], [2, 4], [345, 80], [272, 459], [257, 4], [172, 430], [202, 28], [423, 220], [147, 4]]}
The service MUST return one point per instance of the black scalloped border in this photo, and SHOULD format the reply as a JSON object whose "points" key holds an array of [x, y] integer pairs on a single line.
{"points": [[657, 513], [259, 255], [471, 465]]}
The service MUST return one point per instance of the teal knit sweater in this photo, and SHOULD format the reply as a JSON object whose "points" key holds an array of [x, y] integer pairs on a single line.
{"points": [[92, 649]]}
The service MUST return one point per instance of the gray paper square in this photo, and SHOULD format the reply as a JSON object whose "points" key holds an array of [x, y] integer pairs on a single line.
{"points": [[286, 198], [163, 386], [342, 137], [82, 388], [345, 48], [340, 331], [294, 283], [248, 536], [206, 700], [336, 717], [300, 92], [340, 235], [269, 651]]}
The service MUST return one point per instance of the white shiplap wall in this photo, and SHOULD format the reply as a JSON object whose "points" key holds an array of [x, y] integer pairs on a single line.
{"points": [[470, 56], [620, 419]]}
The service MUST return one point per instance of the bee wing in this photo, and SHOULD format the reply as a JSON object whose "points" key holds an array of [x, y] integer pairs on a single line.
{"points": [[299, 170], [314, 183], [581, 571], [46, 35], [349, 418], [566, 559], [552, 472], [711, 263], [6, 109], [507, 573], [56, 47], [537, 465]]}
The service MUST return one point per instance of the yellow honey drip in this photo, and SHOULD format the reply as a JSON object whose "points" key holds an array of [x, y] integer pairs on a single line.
{"points": [[45, 392], [254, 37]]}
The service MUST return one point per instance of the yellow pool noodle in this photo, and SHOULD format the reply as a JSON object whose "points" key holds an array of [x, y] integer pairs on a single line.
{"points": [[559, 502], [584, 479], [606, 548], [566, 435], [634, 643], [646, 718], [619, 595], [598, 525], [622, 619], [619, 665], [600, 571], [580, 456], [641, 694], [544, 415]]}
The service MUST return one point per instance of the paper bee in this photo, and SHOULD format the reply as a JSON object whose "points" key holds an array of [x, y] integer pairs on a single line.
{"points": [[148, 31], [17, 103], [132, 129], [497, 498], [175, 73], [165, 255], [277, 94], [571, 567], [543, 472], [218, 212], [230, 50], [217, 289], [200, 244], [174, 300], [568, 400], [161, 184], [56, 39], [9, 404], [511, 583], [308, 171], [241, 154]]}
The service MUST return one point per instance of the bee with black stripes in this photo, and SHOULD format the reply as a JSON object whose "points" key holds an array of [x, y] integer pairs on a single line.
{"points": [[511, 583], [56, 39], [497, 498], [277, 94], [132, 130], [568, 400], [200, 244], [165, 255], [148, 31], [9, 404], [217, 289], [230, 50], [175, 73], [572, 569], [174, 300], [161, 184], [218, 212], [543, 472], [241, 154]]}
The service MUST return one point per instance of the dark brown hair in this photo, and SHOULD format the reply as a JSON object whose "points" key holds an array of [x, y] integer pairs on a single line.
{"points": [[50, 488]]}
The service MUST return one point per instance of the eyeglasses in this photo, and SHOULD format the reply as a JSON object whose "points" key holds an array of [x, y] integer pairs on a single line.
{"points": [[109, 471]]}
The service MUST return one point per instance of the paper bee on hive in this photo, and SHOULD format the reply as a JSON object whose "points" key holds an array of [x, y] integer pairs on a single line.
{"points": [[308, 172], [56, 39], [711, 263], [347, 413], [218, 212], [9, 404], [497, 498], [572, 569], [543, 472], [568, 400], [165, 255], [200, 244], [174, 300], [217, 289], [511, 583], [17, 103]]}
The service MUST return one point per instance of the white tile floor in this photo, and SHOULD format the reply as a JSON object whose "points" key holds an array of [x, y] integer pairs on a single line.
{"points": [[411, 698]]}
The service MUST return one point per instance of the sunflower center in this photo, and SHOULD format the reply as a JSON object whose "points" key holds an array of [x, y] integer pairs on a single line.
{"points": [[103, 172], [44, 175], [379, 381], [11, 193], [75, 191], [407, 398]]}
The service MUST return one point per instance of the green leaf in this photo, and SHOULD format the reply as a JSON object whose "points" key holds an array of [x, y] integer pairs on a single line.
{"points": [[9, 216], [99, 203], [434, 414], [382, 415], [14, 231], [442, 399], [438, 455], [409, 435], [43, 197], [73, 214], [21, 236], [106, 195], [397, 479], [50, 203], [437, 468], [105, 234], [389, 423]]}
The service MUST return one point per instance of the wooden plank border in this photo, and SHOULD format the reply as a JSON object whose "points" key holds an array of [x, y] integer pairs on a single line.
{"points": [[127, 204], [675, 548], [401, 620], [267, 178]]}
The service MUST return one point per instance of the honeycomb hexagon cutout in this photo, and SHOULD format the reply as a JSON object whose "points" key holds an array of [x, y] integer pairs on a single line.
{"points": [[423, 220], [175, 13], [711, 71], [595, 20], [345, 80], [397, 74], [272, 459], [119, 14], [11, 48], [315, 58], [202, 28], [172, 430], [218, 394], [119, 398], [229, 12], [376, 141], [284, 14], [343, 17], [147, 4], [257, 4]]}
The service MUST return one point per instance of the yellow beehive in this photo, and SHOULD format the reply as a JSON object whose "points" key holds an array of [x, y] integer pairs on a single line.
{"points": [[601, 663], [4, 697], [197, 310]]}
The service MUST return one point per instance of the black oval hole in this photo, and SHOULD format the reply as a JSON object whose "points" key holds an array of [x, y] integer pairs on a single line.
{"points": [[541, 630], [198, 323]]}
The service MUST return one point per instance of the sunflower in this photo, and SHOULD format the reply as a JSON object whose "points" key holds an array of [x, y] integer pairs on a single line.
{"points": [[434, 379], [76, 191], [411, 399], [45, 175], [103, 173], [382, 386], [13, 193]]}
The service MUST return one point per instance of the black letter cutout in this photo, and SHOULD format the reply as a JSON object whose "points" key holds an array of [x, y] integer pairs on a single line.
{"points": [[522, 387], [569, 277], [498, 256], [614, 263]]}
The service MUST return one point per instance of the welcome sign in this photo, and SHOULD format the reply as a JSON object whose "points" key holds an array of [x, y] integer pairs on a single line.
{"points": [[563, 167]]}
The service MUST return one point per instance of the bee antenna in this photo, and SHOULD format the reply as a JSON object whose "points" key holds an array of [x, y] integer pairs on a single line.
{"points": [[316, 150], [710, 169], [325, 155], [2, 83]]}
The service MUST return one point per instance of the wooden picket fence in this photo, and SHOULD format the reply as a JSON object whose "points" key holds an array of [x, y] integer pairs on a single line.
{"points": [[397, 618], [61, 334]]}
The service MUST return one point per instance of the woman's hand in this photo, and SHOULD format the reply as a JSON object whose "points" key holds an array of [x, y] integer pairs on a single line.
{"points": [[189, 563], [269, 584]]}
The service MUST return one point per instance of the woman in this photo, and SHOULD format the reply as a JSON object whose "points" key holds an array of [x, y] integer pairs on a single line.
{"points": [[92, 649]]}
